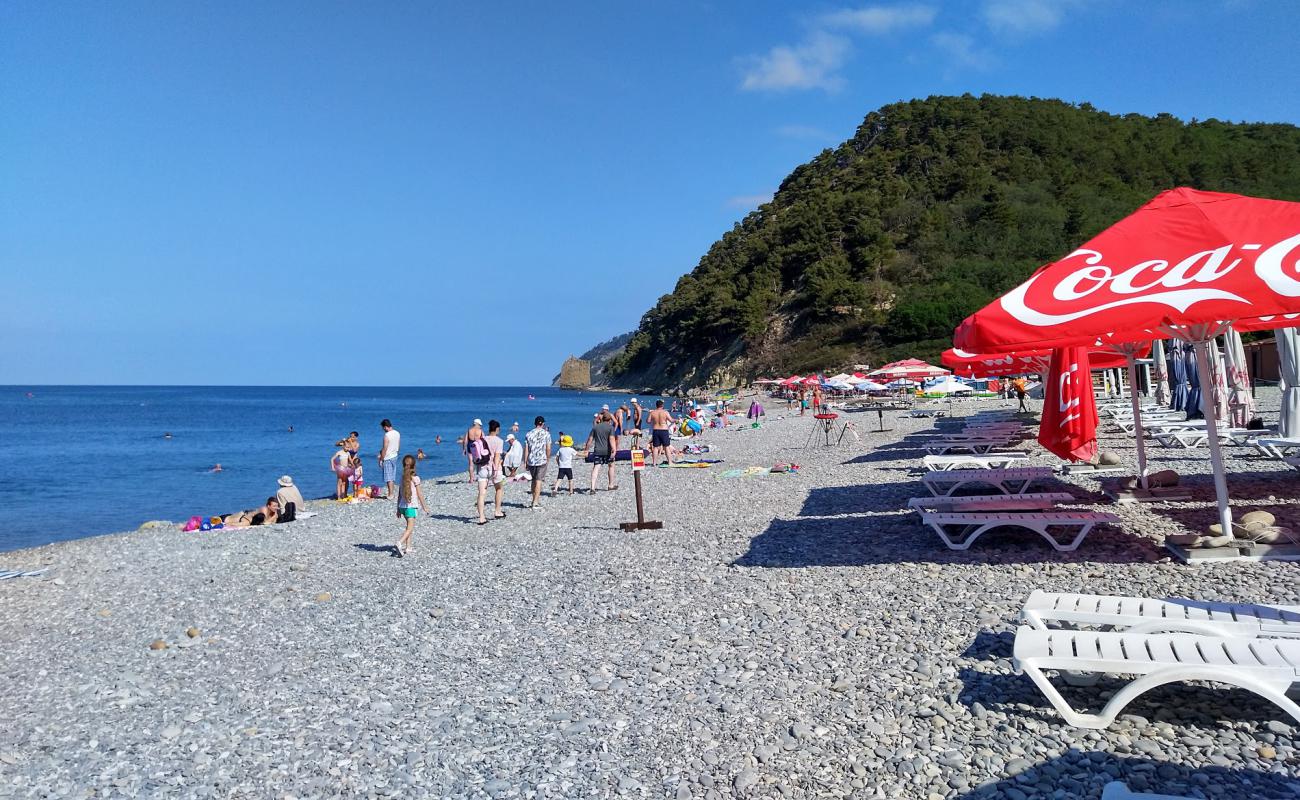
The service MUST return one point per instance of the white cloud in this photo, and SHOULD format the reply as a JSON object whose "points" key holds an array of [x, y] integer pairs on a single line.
{"points": [[796, 131], [1025, 17], [962, 51], [811, 64], [879, 19], [749, 200]]}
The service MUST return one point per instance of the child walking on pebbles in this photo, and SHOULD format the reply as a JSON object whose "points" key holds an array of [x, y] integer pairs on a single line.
{"points": [[410, 501], [564, 462]]}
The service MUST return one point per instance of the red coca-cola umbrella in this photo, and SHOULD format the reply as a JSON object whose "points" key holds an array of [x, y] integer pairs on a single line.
{"points": [[1187, 264], [911, 368], [989, 365], [1069, 424]]}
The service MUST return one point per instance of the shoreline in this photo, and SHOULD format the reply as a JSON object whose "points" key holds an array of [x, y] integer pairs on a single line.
{"points": [[784, 634]]}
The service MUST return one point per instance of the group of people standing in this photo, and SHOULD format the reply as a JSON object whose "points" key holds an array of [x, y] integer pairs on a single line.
{"points": [[491, 460]]}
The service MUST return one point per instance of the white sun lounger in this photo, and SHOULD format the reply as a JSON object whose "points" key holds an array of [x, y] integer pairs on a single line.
{"points": [[972, 461], [977, 446], [18, 573], [1064, 530], [1267, 667], [1118, 791], [1189, 438], [1275, 447], [1129, 426], [927, 412], [1032, 501], [1016, 480], [1044, 610], [1293, 461]]}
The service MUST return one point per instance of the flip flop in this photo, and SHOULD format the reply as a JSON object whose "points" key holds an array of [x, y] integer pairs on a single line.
{"points": [[498, 516], [481, 522]]}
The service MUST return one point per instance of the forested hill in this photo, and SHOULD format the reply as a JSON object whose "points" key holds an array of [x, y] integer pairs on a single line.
{"points": [[878, 248]]}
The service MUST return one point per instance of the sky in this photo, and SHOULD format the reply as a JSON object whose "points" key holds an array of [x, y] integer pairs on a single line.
{"points": [[438, 193]]}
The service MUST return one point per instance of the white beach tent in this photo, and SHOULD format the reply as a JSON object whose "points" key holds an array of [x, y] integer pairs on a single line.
{"points": [[869, 386], [948, 385]]}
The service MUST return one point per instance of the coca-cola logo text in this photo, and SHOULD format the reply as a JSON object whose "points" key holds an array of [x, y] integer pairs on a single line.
{"points": [[1178, 284]]}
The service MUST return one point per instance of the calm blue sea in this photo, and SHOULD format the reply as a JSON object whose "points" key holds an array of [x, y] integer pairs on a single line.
{"points": [[87, 460]]}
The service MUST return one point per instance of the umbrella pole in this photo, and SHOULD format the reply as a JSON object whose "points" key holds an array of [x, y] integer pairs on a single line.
{"points": [[1202, 349], [1137, 421]]}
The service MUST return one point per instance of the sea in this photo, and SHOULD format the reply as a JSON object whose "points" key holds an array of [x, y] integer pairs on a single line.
{"points": [[90, 460]]}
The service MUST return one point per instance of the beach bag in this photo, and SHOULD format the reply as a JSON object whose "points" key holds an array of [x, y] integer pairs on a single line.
{"points": [[480, 453], [194, 524]]}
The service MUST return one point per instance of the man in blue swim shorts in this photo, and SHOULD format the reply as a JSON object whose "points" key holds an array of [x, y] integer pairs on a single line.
{"points": [[660, 439]]}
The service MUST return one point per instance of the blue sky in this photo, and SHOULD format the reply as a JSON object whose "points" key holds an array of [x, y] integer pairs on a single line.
{"points": [[465, 193]]}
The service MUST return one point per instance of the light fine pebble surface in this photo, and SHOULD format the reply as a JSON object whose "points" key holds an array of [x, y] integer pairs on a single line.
{"points": [[784, 635]]}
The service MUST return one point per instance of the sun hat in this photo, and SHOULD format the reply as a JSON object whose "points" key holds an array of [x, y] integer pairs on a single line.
{"points": [[566, 441], [510, 437], [605, 407], [478, 422], [285, 480]]}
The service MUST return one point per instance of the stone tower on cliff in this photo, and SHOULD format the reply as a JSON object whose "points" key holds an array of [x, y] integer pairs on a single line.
{"points": [[575, 374]]}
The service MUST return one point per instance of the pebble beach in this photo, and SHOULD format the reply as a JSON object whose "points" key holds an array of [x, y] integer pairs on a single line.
{"points": [[784, 636]]}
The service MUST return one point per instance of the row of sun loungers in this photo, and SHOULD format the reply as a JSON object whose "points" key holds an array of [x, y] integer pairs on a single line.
{"points": [[1151, 642], [959, 518], [1253, 647]]}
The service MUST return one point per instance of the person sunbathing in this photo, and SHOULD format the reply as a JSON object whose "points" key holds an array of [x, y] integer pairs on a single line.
{"points": [[268, 514]]}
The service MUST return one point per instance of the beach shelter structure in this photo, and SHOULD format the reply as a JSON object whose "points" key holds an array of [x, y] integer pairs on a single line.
{"points": [[865, 385], [1187, 264], [948, 385]]}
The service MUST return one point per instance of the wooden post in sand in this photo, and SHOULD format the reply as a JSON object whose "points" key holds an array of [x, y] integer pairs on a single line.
{"points": [[641, 524]]}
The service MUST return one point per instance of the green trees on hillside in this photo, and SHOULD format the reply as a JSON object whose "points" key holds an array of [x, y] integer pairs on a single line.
{"points": [[932, 209]]}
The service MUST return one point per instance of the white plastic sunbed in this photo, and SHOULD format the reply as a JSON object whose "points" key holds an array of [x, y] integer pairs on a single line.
{"points": [[1031, 501], [1267, 667], [1116, 790], [1189, 438], [1275, 447], [1044, 610], [1064, 530], [978, 446], [1129, 426], [1016, 480], [18, 573], [972, 461], [927, 412]]}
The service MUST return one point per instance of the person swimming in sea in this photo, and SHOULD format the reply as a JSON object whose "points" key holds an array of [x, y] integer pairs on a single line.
{"points": [[217, 468], [167, 435], [437, 439], [419, 454]]}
